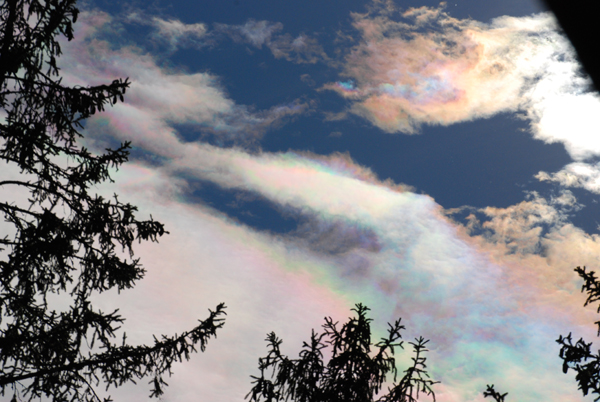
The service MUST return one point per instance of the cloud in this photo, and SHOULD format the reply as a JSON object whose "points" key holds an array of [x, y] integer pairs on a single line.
{"points": [[300, 49], [160, 98], [560, 111], [521, 228], [205, 260], [577, 174], [491, 303], [173, 32], [426, 67], [306, 78], [177, 34], [257, 33], [430, 68]]}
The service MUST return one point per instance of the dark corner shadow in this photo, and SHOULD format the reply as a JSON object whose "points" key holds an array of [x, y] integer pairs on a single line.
{"points": [[579, 20]]}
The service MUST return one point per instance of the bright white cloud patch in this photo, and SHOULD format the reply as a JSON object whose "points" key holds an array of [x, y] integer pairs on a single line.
{"points": [[577, 174], [561, 112]]}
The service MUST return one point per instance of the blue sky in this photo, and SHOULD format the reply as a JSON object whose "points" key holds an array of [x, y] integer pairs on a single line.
{"points": [[433, 161]]}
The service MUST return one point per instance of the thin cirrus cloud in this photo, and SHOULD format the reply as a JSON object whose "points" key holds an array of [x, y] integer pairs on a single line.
{"points": [[300, 49], [256, 33], [177, 34], [489, 300], [173, 32]]}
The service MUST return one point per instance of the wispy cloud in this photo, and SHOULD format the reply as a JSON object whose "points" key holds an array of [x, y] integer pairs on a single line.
{"points": [[300, 49], [173, 32], [577, 174], [257, 33]]}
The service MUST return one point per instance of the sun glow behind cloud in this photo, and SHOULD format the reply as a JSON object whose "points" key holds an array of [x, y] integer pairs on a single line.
{"points": [[490, 301]]}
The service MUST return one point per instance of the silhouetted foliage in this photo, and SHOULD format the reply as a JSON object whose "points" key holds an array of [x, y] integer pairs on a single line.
{"points": [[65, 238], [355, 372], [490, 391], [579, 356]]}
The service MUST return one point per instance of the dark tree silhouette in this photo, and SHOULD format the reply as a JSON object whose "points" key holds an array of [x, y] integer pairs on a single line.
{"points": [[65, 238], [579, 356], [490, 391], [355, 372]]}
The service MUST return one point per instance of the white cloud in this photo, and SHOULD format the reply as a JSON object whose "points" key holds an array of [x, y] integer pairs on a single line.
{"points": [[577, 174]]}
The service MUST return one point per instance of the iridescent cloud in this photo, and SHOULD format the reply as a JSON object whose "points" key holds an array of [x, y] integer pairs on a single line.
{"points": [[426, 67], [491, 304], [397, 252]]}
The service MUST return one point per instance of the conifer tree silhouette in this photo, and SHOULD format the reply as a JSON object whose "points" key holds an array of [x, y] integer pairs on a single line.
{"points": [[65, 238], [579, 356], [490, 391], [355, 372]]}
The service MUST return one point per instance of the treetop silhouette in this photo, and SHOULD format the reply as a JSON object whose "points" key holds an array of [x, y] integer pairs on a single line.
{"points": [[356, 371]]}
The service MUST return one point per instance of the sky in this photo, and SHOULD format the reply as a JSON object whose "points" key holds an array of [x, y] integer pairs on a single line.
{"points": [[438, 162]]}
